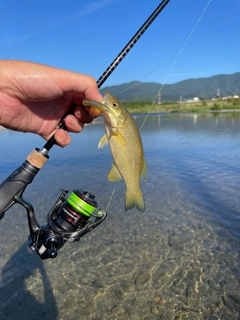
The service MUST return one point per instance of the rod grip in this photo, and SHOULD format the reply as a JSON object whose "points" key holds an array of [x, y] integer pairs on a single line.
{"points": [[17, 182], [36, 159]]}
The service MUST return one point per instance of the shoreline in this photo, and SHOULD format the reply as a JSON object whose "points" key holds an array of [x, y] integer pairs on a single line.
{"points": [[185, 112], [176, 107]]}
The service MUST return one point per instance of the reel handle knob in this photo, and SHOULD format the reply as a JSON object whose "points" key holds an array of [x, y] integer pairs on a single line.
{"points": [[52, 249]]}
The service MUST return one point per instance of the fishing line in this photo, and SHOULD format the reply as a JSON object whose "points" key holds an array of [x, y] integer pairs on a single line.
{"points": [[170, 71], [110, 200], [162, 62], [174, 63]]}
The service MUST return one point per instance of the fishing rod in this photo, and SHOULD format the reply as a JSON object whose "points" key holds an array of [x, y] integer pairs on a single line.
{"points": [[116, 61], [74, 213]]}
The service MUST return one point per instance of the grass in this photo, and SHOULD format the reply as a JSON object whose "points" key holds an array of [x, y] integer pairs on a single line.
{"points": [[171, 107]]}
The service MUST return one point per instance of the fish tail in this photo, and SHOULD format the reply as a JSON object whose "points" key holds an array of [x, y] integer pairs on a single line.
{"points": [[134, 200]]}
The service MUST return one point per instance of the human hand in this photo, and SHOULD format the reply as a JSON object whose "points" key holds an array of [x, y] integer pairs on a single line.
{"points": [[34, 98]]}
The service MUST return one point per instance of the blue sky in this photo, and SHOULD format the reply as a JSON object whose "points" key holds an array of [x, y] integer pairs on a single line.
{"points": [[85, 36]]}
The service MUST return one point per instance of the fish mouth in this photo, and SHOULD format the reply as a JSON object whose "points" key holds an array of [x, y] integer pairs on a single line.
{"points": [[98, 105], [105, 100], [102, 106]]}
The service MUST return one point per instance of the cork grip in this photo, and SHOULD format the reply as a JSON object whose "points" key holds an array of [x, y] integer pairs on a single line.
{"points": [[37, 159]]}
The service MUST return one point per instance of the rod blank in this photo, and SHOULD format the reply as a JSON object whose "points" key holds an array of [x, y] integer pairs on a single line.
{"points": [[116, 61], [131, 43]]}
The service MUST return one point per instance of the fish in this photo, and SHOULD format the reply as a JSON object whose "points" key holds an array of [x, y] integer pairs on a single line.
{"points": [[126, 148]]}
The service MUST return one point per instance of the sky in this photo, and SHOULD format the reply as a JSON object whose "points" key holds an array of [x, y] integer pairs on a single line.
{"points": [[189, 39]]}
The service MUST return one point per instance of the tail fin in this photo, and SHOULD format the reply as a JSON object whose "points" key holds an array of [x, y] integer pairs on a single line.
{"points": [[134, 200]]}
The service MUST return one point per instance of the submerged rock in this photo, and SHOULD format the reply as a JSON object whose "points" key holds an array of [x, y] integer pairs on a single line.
{"points": [[142, 278], [119, 313]]}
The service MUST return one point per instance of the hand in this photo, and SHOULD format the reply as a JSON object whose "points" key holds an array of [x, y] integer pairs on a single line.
{"points": [[34, 98]]}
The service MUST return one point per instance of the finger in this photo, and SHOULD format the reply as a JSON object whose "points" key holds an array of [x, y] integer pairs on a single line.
{"points": [[91, 90], [83, 115], [62, 138], [73, 124], [81, 84], [94, 112]]}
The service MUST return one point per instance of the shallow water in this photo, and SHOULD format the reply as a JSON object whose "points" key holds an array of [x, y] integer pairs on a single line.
{"points": [[179, 260]]}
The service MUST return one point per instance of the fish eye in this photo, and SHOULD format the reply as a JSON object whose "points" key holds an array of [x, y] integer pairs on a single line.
{"points": [[114, 105]]}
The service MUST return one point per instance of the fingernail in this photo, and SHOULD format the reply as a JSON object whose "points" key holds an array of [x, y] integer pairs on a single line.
{"points": [[78, 114], [61, 135], [62, 138]]}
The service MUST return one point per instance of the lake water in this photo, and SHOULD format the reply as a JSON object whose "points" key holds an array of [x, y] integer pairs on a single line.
{"points": [[179, 260]]}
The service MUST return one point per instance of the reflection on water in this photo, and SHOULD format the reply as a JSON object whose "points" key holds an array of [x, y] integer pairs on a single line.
{"points": [[179, 260]]}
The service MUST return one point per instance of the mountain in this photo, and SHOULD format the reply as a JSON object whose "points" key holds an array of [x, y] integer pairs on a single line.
{"points": [[204, 88]]}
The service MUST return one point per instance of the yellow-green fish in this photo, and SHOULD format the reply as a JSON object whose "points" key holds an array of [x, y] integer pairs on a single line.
{"points": [[126, 148]]}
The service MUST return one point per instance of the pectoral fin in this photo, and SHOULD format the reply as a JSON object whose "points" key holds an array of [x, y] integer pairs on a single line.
{"points": [[103, 142], [114, 174], [119, 138], [144, 171]]}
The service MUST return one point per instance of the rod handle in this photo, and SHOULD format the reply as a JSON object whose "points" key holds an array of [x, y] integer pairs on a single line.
{"points": [[16, 183]]}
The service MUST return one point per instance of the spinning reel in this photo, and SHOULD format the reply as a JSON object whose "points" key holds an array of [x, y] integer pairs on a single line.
{"points": [[71, 217]]}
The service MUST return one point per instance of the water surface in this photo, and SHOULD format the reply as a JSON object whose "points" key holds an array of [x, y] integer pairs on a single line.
{"points": [[179, 260]]}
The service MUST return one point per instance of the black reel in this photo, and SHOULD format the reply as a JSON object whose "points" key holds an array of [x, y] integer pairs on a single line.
{"points": [[71, 217]]}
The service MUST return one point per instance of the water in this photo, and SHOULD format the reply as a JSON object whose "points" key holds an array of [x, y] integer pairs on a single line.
{"points": [[179, 260]]}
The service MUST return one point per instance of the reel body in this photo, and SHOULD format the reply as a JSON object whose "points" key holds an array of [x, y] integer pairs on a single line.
{"points": [[70, 218]]}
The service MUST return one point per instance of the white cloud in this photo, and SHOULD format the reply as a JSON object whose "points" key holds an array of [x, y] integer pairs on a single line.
{"points": [[92, 7]]}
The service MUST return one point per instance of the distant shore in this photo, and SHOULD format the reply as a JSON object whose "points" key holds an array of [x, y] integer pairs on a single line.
{"points": [[201, 106], [229, 105]]}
